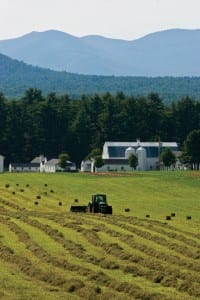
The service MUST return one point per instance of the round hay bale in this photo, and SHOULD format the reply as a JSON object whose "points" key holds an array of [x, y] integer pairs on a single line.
{"points": [[97, 290], [127, 209]]}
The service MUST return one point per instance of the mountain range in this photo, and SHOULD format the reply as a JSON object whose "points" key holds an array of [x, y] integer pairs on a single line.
{"points": [[167, 53]]}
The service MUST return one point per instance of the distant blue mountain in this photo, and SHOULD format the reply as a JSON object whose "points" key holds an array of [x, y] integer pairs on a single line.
{"points": [[173, 52]]}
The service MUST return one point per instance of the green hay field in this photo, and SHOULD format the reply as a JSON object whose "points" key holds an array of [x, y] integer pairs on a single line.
{"points": [[47, 253]]}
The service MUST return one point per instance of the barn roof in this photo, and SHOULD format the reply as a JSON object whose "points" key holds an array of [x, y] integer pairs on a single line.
{"points": [[38, 159], [53, 162], [139, 143], [117, 149]]}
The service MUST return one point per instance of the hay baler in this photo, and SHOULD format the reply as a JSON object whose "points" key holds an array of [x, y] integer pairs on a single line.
{"points": [[98, 204]]}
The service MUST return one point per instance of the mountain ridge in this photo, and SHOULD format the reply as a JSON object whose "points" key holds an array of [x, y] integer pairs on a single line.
{"points": [[172, 52]]}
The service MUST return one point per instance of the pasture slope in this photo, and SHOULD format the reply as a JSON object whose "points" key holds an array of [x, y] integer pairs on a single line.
{"points": [[47, 253]]}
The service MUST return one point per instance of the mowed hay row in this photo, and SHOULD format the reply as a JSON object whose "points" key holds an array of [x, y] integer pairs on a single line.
{"points": [[87, 287], [154, 261], [96, 261], [154, 232], [164, 240], [113, 249], [18, 286], [164, 227], [10, 204], [163, 268], [192, 252], [112, 284], [145, 247], [164, 235], [106, 281]]}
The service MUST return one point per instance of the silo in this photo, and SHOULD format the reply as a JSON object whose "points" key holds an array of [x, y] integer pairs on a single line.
{"points": [[129, 151], [142, 158]]}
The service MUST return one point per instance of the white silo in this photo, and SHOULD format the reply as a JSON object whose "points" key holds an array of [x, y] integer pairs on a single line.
{"points": [[129, 151], [142, 158]]}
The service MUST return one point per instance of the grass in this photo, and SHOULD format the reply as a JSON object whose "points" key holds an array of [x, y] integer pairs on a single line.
{"points": [[46, 252]]}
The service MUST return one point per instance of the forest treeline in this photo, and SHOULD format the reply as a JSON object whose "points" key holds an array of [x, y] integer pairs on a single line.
{"points": [[52, 124], [16, 77]]}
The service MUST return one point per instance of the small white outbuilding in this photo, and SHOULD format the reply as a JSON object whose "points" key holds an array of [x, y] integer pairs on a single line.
{"points": [[1, 163]]}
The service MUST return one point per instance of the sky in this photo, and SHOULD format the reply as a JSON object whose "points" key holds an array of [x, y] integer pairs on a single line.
{"points": [[123, 19]]}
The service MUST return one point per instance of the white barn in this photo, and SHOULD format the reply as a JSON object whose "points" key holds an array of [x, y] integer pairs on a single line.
{"points": [[115, 155], [1, 163]]}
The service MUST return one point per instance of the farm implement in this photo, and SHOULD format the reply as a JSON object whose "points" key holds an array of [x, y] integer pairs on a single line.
{"points": [[98, 204]]}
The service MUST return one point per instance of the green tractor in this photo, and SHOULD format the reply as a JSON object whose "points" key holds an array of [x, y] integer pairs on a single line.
{"points": [[98, 204]]}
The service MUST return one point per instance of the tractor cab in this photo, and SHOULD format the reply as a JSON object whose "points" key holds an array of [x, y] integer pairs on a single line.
{"points": [[98, 204], [99, 198]]}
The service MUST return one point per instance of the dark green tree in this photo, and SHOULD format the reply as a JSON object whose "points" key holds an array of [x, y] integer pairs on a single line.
{"points": [[82, 130], [32, 95], [98, 161], [168, 157], [192, 146], [63, 158], [94, 153], [3, 115], [15, 133], [185, 159], [133, 161], [186, 117]]}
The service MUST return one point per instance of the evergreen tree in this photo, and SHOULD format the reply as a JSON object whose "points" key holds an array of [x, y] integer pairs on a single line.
{"points": [[192, 146], [63, 158], [133, 161], [168, 157], [98, 162]]}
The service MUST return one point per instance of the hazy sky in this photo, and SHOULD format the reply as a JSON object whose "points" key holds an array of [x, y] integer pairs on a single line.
{"points": [[126, 19]]}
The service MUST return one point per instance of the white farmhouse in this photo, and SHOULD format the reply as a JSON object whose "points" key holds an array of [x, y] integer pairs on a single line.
{"points": [[1, 163], [52, 166]]}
